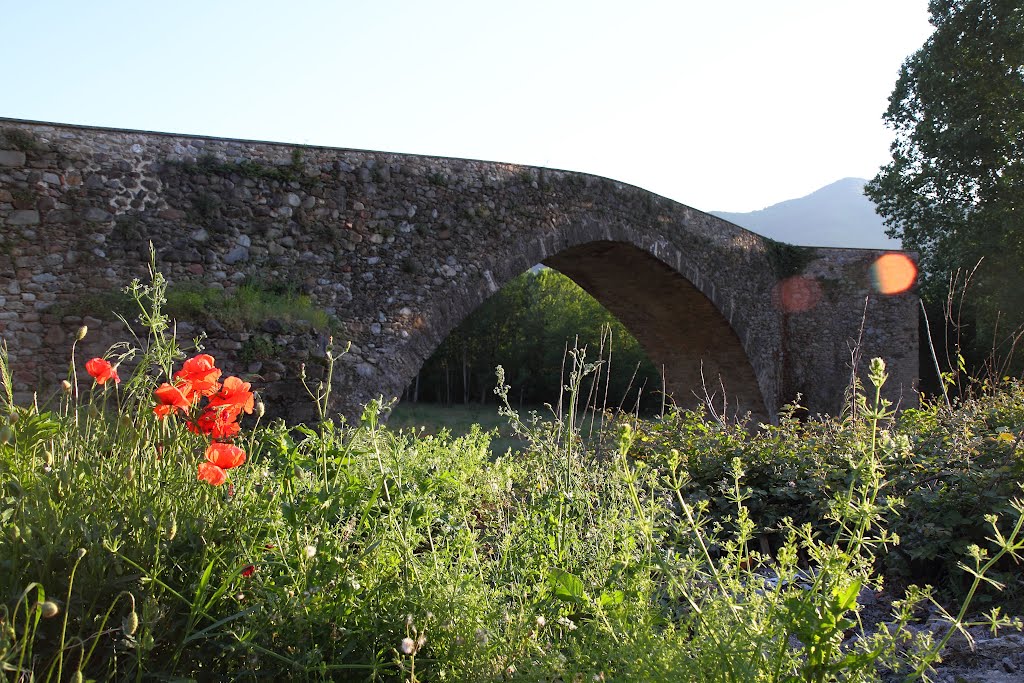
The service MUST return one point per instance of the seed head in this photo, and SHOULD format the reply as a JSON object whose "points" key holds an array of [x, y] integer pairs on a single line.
{"points": [[408, 646], [48, 609]]}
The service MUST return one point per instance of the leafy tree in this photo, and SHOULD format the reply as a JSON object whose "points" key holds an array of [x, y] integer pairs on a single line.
{"points": [[954, 190]]}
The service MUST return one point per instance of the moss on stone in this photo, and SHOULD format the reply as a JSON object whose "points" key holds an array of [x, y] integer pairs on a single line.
{"points": [[788, 260], [21, 140]]}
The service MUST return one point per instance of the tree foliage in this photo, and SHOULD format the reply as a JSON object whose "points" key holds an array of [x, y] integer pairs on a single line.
{"points": [[954, 190], [526, 328]]}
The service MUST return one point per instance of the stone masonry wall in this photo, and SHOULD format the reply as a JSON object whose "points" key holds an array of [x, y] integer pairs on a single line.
{"points": [[398, 249]]}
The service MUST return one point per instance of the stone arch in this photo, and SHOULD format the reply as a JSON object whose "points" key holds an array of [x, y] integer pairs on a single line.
{"points": [[678, 322]]}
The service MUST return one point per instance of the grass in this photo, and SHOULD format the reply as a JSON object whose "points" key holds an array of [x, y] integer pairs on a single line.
{"points": [[434, 419], [358, 552], [437, 419], [246, 307]]}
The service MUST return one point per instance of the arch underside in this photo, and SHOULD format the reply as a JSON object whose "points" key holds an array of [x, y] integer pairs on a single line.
{"points": [[679, 327]]}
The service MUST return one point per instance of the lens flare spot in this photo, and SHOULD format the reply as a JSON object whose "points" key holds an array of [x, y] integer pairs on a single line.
{"points": [[796, 294], [893, 273]]}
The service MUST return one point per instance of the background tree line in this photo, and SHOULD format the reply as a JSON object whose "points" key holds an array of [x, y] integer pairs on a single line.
{"points": [[526, 327]]}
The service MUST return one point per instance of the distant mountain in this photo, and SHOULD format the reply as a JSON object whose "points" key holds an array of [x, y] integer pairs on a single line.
{"points": [[837, 215]]}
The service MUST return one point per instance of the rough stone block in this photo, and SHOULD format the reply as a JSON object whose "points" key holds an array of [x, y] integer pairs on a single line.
{"points": [[23, 218], [11, 157], [236, 255], [96, 215]]}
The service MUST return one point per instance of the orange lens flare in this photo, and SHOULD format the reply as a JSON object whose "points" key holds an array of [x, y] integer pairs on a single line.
{"points": [[893, 273], [796, 294]]}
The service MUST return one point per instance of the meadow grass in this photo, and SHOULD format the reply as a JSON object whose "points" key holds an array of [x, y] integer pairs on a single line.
{"points": [[359, 552], [437, 419]]}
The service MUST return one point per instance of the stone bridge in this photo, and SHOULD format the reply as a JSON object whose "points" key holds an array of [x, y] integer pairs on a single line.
{"points": [[398, 249]]}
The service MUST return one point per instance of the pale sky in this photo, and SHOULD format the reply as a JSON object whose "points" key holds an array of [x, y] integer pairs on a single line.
{"points": [[728, 105]]}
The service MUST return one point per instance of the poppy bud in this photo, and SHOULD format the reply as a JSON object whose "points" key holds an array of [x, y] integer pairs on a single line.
{"points": [[48, 456], [172, 530], [14, 417], [82, 331], [261, 409], [6, 434], [66, 386], [80, 553], [130, 624], [77, 677], [48, 609]]}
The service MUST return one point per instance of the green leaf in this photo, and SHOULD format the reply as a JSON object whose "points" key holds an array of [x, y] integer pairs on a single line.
{"points": [[567, 587], [847, 599], [611, 598]]}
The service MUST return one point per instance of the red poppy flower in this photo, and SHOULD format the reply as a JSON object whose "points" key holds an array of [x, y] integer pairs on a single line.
{"points": [[212, 474], [248, 570], [101, 371], [171, 398], [225, 455], [215, 424], [233, 398], [200, 374]]}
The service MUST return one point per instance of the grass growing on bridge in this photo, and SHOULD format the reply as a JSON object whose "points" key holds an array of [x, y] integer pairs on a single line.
{"points": [[357, 552]]}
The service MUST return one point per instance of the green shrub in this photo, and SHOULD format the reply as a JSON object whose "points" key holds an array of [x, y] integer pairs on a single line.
{"points": [[948, 468]]}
